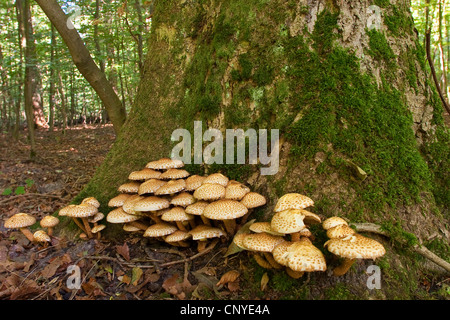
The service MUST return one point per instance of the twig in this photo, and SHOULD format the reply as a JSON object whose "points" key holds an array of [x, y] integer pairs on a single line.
{"points": [[422, 250], [195, 256], [31, 195]]}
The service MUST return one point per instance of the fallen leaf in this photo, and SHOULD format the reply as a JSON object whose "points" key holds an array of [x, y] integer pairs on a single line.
{"points": [[124, 251], [229, 276], [233, 248], [136, 274], [264, 281]]}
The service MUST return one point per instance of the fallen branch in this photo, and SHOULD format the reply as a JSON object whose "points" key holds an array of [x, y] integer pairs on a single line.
{"points": [[422, 250], [31, 195]]}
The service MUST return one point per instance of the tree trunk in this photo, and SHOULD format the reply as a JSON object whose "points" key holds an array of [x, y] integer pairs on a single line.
{"points": [[361, 129], [85, 63]]}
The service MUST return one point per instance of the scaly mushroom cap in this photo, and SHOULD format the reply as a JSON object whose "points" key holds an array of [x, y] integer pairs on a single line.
{"points": [[63, 211], [19, 220], [41, 236], [176, 214], [118, 200], [239, 240], [160, 230], [261, 242], [98, 228], [280, 252], [96, 218], [171, 187], [129, 187], [120, 216], [144, 174], [178, 236], [183, 199], [130, 228], [340, 231], [224, 209], [173, 174], [165, 164], [236, 191], [151, 203], [209, 192], [196, 208], [150, 186], [293, 201], [333, 222], [128, 205], [82, 211], [193, 182], [259, 227], [253, 200], [92, 201], [355, 247], [202, 232], [49, 222], [216, 178], [304, 256], [287, 221]]}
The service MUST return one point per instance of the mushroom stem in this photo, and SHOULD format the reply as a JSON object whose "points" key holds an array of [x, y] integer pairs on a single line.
{"points": [[27, 234], [205, 220], [50, 231], [192, 223], [245, 217], [261, 261], [294, 274], [344, 267], [181, 226], [272, 261], [201, 245], [230, 226], [295, 236], [155, 218], [183, 244], [79, 224], [87, 227]]}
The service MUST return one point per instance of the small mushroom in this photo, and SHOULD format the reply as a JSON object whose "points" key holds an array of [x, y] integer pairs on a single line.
{"points": [[171, 187], [144, 174], [173, 174], [193, 182], [352, 248], [165, 164], [43, 237], [262, 243], [97, 229], [197, 209], [210, 192], [118, 200], [120, 216], [49, 222], [83, 211], [182, 199], [95, 219], [216, 178], [21, 221], [252, 200], [150, 186], [202, 233], [227, 211], [92, 201], [178, 238], [160, 230], [293, 201], [180, 217]]}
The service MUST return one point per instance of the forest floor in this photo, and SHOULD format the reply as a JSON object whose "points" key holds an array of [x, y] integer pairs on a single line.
{"points": [[130, 268]]}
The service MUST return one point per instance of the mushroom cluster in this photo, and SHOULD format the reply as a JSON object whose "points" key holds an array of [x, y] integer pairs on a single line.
{"points": [[285, 241], [346, 243], [163, 201], [87, 212], [23, 221]]}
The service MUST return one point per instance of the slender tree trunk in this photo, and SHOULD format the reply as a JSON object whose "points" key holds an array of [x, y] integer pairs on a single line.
{"points": [[63, 102], [441, 52], [52, 91], [85, 63]]}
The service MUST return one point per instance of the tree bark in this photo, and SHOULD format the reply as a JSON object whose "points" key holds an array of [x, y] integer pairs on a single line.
{"points": [[85, 63]]}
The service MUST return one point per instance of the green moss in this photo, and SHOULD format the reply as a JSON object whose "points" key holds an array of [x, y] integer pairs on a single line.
{"points": [[397, 22], [380, 50], [340, 292]]}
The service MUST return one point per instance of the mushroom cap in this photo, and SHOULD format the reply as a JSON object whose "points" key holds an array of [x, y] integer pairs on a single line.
{"points": [[41, 236], [261, 242], [310, 217], [130, 228], [19, 220], [49, 222], [164, 164], [196, 208], [120, 216], [96, 218], [355, 246], [98, 228], [210, 192], [203, 232], [82, 211], [178, 235], [193, 182], [160, 230], [287, 221], [63, 211], [216, 178], [304, 256], [173, 174], [176, 214], [253, 200], [151, 203], [340, 231], [171, 187], [129, 187], [92, 201], [118, 200], [150, 186], [182, 199], [280, 252], [128, 205], [293, 201], [239, 240], [236, 191], [333, 222], [224, 209], [144, 174], [259, 227]]}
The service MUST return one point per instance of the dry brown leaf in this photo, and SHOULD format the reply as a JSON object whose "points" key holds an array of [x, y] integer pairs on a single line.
{"points": [[264, 281], [124, 251], [229, 276]]}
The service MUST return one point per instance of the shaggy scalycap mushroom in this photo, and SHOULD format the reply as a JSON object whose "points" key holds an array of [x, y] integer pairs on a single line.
{"points": [[293, 201], [227, 211], [21, 221]]}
